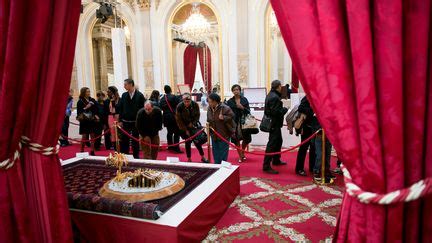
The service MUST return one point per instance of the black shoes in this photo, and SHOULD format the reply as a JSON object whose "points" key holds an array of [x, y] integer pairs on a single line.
{"points": [[279, 163], [204, 160], [270, 171], [301, 173]]}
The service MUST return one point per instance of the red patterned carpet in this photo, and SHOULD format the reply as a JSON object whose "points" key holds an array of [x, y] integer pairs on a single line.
{"points": [[270, 208]]}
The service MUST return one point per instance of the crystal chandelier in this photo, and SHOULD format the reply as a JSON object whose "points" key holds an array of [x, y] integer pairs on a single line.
{"points": [[196, 27]]}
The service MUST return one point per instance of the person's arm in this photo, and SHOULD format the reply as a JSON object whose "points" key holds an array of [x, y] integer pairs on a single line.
{"points": [[179, 119], [276, 108], [119, 109], [159, 119], [246, 106], [139, 121], [227, 113], [80, 107], [196, 114]]}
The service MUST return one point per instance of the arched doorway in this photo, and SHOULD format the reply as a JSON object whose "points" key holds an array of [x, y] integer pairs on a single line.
{"points": [[278, 62], [208, 53]]}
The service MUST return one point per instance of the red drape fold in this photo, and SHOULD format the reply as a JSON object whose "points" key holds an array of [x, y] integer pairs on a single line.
{"points": [[37, 48], [189, 65], [207, 77], [365, 66]]}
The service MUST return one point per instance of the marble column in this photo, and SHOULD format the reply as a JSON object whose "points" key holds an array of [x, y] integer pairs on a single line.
{"points": [[119, 57], [103, 64]]}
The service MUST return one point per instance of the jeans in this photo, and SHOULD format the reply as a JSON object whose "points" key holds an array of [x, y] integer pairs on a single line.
{"points": [[274, 144], [318, 151], [220, 150], [301, 155], [125, 140]]}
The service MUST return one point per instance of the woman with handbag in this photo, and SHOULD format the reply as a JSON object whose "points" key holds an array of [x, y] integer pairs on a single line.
{"points": [[87, 115], [240, 106], [187, 117], [220, 117]]}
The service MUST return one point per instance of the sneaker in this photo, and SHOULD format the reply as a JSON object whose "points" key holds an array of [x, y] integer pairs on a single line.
{"points": [[204, 160]]}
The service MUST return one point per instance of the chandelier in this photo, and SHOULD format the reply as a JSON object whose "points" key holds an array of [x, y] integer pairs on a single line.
{"points": [[196, 27]]}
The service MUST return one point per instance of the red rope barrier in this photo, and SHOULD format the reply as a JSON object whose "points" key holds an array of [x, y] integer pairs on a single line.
{"points": [[263, 153], [162, 145], [85, 140]]}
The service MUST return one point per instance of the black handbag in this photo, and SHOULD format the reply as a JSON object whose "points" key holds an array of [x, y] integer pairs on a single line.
{"points": [[202, 137], [266, 124]]}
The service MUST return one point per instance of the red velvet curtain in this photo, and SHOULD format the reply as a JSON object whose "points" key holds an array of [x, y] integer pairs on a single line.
{"points": [[294, 81], [366, 68], [206, 78], [37, 47], [189, 65]]}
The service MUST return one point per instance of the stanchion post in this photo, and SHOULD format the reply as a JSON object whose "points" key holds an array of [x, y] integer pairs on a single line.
{"points": [[117, 137], [323, 151], [208, 142]]}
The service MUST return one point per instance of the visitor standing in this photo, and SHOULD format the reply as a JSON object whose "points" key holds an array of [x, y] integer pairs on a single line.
{"points": [[240, 106], [87, 115], [306, 131], [104, 111], [168, 104], [220, 117], [65, 128], [114, 99], [130, 103], [275, 111]]}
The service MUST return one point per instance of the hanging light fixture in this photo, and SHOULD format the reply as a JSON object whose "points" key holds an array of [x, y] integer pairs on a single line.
{"points": [[196, 27]]}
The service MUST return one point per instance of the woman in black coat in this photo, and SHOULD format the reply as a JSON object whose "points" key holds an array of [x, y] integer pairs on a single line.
{"points": [[87, 115], [240, 106]]}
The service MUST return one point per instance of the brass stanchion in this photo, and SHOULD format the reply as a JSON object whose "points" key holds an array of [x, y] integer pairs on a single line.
{"points": [[208, 142], [117, 137]]}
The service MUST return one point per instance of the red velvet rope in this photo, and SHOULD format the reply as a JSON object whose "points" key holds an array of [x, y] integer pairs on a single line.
{"points": [[162, 145], [84, 140], [263, 153]]}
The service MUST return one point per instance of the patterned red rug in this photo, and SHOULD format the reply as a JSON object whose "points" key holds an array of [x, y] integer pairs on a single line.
{"points": [[270, 208]]}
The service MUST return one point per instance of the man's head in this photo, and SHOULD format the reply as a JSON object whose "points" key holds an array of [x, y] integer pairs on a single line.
{"points": [[214, 100], [167, 89], [100, 96], [148, 107], [236, 89], [276, 85], [129, 84], [187, 100]]}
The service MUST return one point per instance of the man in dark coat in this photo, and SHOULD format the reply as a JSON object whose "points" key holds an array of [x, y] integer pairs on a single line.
{"points": [[130, 103], [168, 104], [149, 123], [306, 132], [276, 112]]}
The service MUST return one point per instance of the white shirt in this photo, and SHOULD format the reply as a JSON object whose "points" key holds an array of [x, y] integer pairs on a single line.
{"points": [[131, 95]]}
